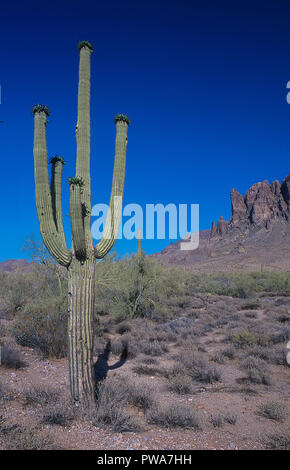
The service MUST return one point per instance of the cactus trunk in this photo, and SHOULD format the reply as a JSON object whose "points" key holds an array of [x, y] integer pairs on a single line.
{"points": [[80, 259], [80, 331]]}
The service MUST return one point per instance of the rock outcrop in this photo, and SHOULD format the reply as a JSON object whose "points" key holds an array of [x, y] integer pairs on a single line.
{"points": [[255, 238], [239, 208], [285, 191], [262, 204], [222, 225]]}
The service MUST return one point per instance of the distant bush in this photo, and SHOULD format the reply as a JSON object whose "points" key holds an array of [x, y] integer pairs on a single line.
{"points": [[114, 395], [273, 410], [180, 384], [138, 287], [40, 395], [278, 441], [43, 325], [258, 372], [243, 338], [173, 415], [22, 438], [251, 305], [20, 289], [241, 284], [217, 420], [60, 414], [10, 358]]}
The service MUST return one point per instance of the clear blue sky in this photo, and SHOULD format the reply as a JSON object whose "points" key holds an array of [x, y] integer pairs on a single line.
{"points": [[204, 83]]}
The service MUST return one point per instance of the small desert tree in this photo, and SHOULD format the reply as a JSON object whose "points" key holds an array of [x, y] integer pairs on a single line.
{"points": [[80, 260]]}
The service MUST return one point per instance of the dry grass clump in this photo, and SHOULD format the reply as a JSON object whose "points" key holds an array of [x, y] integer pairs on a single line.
{"points": [[40, 395], [278, 441], [243, 338], [10, 357], [252, 304], [273, 410], [6, 394], [220, 419], [22, 438], [258, 372], [60, 414], [180, 384], [173, 415], [217, 420], [42, 326], [115, 402], [144, 369]]}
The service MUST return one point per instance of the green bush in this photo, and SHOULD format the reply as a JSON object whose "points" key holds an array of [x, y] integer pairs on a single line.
{"points": [[43, 325], [137, 287]]}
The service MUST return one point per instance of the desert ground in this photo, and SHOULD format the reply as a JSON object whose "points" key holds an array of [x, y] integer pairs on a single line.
{"points": [[205, 368]]}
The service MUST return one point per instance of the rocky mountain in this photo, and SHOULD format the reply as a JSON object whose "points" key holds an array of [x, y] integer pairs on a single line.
{"points": [[256, 237], [11, 265]]}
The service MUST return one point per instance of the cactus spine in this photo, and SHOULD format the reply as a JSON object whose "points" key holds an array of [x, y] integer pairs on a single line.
{"points": [[80, 259]]}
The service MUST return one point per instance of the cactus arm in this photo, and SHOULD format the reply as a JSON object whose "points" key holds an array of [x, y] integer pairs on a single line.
{"points": [[115, 208], [50, 235], [83, 134], [77, 218], [139, 243], [56, 192]]}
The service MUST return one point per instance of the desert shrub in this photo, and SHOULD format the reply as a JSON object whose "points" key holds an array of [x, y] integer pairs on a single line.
{"points": [[16, 291], [197, 368], [230, 418], [220, 419], [257, 376], [10, 357], [229, 352], [19, 289], [152, 348], [251, 305], [139, 287], [180, 384], [123, 327], [60, 414], [126, 346], [43, 326], [278, 355], [242, 284], [251, 314], [258, 372], [218, 357], [144, 369], [147, 360], [29, 439], [40, 395], [217, 420], [205, 373], [261, 352], [141, 394], [187, 358], [112, 409], [172, 416], [278, 441], [272, 410], [284, 317], [243, 338], [6, 394], [281, 335]]}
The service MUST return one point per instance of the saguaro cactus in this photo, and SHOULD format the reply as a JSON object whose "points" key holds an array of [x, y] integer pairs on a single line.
{"points": [[139, 251], [80, 259]]}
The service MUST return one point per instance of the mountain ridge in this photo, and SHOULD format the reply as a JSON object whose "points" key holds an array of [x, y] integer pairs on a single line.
{"points": [[255, 238]]}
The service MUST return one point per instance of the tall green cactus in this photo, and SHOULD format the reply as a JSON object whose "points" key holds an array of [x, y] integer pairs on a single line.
{"points": [[80, 259], [139, 251]]}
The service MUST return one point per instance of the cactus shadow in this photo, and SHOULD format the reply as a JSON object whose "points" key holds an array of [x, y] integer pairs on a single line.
{"points": [[101, 366]]}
